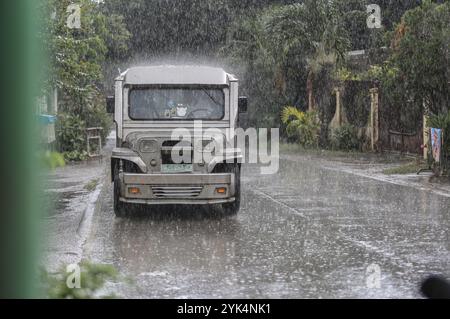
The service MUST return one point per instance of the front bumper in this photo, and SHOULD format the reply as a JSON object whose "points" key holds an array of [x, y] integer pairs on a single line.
{"points": [[161, 189]]}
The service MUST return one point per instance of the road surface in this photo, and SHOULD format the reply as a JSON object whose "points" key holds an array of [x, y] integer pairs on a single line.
{"points": [[310, 231]]}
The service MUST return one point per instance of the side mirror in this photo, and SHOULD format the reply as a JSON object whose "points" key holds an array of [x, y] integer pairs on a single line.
{"points": [[242, 104], [110, 104]]}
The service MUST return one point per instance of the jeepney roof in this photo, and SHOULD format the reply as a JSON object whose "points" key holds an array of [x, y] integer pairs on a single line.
{"points": [[170, 74]]}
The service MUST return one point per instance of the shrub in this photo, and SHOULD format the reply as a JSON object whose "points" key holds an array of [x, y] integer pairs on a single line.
{"points": [[71, 131], [71, 137], [75, 156], [52, 160], [302, 127], [345, 138], [93, 279]]}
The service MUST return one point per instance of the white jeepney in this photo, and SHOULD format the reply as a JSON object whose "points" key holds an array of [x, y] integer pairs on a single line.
{"points": [[175, 128]]}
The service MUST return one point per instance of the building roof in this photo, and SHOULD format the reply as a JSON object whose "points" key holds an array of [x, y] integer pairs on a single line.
{"points": [[170, 74]]}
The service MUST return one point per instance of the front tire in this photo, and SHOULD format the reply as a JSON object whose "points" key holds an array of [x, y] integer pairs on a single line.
{"points": [[233, 208], [119, 207]]}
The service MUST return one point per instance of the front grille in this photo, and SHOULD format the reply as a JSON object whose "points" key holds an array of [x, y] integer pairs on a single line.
{"points": [[185, 156], [181, 149], [176, 191]]}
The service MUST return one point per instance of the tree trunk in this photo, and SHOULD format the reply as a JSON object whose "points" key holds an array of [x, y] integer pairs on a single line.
{"points": [[310, 91]]}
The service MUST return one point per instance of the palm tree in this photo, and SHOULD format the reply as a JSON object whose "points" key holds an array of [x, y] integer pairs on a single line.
{"points": [[312, 32]]}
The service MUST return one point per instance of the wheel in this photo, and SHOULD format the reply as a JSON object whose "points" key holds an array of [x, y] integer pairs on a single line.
{"points": [[119, 207], [233, 208]]}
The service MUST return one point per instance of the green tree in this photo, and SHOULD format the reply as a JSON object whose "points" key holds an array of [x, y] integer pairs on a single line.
{"points": [[76, 60], [418, 69], [77, 55], [248, 52], [286, 49], [393, 10]]}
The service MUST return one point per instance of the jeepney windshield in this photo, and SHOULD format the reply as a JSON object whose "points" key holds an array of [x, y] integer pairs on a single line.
{"points": [[176, 104]]}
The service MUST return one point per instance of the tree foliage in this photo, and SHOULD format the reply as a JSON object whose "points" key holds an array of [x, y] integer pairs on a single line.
{"points": [[421, 55], [284, 48], [283, 51], [75, 66], [77, 55], [272, 45], [415, 78], [181, 27]]}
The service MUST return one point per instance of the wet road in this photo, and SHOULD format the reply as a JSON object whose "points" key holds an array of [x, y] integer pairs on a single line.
{"points": [[307, 232]]}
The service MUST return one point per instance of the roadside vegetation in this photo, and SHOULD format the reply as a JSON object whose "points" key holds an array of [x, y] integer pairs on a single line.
{"points": [[296, 54], [52, 160], [91, 185], [75, 69], [345, 138], [301, 127], [405, 169], [289, 55], [92, 280]]}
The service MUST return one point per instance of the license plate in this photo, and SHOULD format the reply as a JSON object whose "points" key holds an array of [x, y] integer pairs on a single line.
{"points": [[177, 168]]}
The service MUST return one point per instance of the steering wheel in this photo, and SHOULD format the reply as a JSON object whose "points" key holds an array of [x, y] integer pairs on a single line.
{"points": [[191, 113]]}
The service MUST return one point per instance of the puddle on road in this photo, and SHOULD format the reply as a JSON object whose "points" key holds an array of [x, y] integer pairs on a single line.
{"points": [[62, 202]]}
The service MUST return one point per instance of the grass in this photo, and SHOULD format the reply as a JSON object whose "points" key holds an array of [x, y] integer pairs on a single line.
{"points": [[91, 185], [409, 168]]}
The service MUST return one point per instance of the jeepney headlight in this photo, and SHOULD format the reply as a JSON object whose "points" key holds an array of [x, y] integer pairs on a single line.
{"points": [[148, 146]]}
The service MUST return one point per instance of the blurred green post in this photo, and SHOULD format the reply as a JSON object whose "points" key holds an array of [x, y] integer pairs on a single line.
{"points": [[19, 61]]}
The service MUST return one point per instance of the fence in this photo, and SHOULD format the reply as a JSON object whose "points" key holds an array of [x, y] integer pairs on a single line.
{"points": [[404, 142]]}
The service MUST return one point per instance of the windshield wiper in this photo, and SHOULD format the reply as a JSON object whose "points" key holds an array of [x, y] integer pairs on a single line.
{"points": [[212, 98]]}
